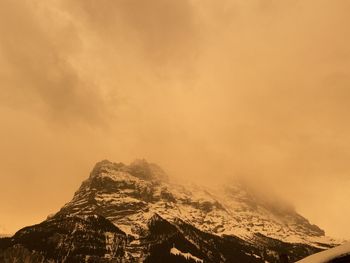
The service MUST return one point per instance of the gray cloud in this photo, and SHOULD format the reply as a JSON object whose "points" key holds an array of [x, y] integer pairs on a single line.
{"points": [[36, 70], [257, 89]]}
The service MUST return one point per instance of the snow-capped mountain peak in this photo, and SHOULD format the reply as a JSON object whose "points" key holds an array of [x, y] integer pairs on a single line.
{"points": [[139, 168], [129, 195], [156, 219]]}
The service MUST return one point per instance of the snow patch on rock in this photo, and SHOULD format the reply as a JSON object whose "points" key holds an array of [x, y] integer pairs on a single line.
{"points": [[176, 252]]}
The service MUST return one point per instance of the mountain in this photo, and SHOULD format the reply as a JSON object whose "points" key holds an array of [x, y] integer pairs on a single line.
{"points": [[134, 213], [65, 239]]}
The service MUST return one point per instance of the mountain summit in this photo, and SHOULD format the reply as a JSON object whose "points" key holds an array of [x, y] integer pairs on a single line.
{"points": [[138, 215]]}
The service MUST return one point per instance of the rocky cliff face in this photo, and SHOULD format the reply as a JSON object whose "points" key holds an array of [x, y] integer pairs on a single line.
{"points": [[143, 217], [66, 239]]}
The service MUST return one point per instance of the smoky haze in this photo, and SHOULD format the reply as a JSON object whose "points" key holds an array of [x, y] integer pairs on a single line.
{"points": [[209, 90]]}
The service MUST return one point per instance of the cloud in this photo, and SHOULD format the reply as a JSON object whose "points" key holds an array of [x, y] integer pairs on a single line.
{"points": [[35, 66], [257, 89], [163, 34]]}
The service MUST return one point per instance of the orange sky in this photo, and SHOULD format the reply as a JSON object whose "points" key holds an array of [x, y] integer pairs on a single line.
{"points": [[208, 89]]}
